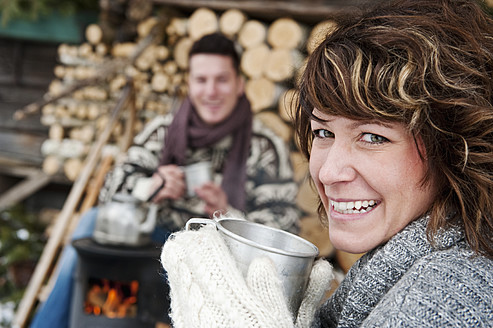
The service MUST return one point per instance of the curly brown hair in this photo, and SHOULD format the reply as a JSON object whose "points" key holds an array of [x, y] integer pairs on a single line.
{"points": [[427, 64]]}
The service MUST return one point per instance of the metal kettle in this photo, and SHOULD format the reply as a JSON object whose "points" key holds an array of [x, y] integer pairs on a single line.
{"points": [[123, 221]]}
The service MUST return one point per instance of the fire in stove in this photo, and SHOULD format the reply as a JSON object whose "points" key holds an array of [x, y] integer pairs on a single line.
{"points": [[118, 287], [113, 299]]}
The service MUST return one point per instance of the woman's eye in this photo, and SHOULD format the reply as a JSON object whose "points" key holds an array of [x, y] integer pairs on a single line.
{"points": [[373, 138], [322, 133]]}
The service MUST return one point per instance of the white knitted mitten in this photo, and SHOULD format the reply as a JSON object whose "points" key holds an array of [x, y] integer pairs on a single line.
{"points": [[208, 290]]}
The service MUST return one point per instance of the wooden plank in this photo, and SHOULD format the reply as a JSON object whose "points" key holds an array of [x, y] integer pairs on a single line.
{"points": [[38, 64], [23, 189], [16, 168], [11, 167], [95, 186], [20, 94], [309, 11], [28, 125], [7, 55], [21, 146], [26, 62]]}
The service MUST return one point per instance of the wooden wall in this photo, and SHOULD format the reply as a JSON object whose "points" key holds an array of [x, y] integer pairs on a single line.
{"points": [[26, 69]]}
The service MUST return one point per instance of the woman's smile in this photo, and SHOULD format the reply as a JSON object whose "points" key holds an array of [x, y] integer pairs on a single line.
{"points": [[353, 207]]}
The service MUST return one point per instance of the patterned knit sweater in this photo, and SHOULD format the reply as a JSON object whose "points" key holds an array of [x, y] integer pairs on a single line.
{"points": [[409, 283], [270, 189]]}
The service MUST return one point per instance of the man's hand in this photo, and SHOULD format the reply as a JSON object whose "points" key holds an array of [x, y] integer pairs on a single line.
{"points": [[174, 183], [175, 187], [214, 197]]}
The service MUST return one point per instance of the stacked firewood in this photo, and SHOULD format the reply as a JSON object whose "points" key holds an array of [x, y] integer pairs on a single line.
{"points": [[272, 56]]}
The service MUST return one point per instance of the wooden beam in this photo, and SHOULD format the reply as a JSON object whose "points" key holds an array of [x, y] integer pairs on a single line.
{"points": [[23, 189], [309, 11]]}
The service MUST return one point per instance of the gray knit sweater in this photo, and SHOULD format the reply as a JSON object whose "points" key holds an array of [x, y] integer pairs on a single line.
{"points": [[408, 283]]}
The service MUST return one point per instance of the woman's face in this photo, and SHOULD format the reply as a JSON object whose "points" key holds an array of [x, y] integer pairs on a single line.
{"points": [[368, 175], [214, 86]]}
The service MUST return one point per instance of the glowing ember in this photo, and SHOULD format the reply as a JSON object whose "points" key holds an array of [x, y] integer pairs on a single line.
{"points": [[113, 299]]}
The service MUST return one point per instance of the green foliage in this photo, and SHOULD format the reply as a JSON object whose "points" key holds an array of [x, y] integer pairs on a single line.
{"points": [[22, 241], [32, 10]]}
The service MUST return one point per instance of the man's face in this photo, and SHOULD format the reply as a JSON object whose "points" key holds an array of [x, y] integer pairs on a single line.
{"points": [[214, 86]]}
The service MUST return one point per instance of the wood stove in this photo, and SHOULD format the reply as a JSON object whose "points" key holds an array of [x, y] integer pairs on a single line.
{"points": [[118, 286]]}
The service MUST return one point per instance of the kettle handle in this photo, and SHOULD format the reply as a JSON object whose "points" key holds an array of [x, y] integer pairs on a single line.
{"points": [[148, 225]]}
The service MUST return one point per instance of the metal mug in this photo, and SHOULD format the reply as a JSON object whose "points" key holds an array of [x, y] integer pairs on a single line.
{"points": [[292, 255], [196, 175]]}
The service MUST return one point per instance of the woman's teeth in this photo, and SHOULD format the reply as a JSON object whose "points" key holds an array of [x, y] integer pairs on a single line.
{"points": [[359, 206]]}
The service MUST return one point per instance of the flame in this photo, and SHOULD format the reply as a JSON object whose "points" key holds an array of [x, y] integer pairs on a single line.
{"points": [[112, 299]]}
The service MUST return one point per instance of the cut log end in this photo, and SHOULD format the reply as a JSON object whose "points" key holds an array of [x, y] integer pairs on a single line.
{"points": [[203, 21], [231, 22], [181, 51], [262, 93], [253, 61], [253, 33], [318, 34], [94, 34], [274, 123], [286, 33]]}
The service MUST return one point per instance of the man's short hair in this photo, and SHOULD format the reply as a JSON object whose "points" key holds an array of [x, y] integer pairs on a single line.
{"points": [[217, 44]]}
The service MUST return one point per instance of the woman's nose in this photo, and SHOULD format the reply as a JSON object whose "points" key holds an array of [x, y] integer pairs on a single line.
{"points": [[338, 165]]}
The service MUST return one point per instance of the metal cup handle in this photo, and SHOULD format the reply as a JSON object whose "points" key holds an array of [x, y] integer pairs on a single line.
{"points": [[196, 223]]}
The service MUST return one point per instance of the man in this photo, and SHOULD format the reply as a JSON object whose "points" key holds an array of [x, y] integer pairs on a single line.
{"points": [[252, 175]]}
